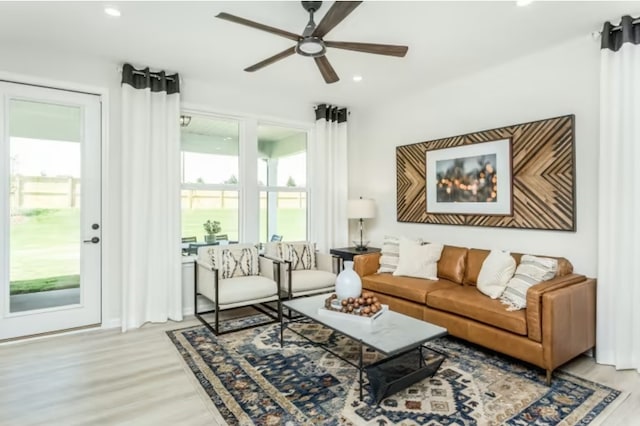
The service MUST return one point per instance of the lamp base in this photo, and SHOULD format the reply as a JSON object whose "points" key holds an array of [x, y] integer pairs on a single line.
{"points": [[361, 248]]}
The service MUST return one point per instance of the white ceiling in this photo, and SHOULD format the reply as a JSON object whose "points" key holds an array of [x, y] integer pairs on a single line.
{"points": [[446, 40]]}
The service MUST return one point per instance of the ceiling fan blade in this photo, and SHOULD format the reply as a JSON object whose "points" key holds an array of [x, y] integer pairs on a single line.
{"points": [[288, 52], [258, 26], [378, 49], [335, 15], [327, 71]]}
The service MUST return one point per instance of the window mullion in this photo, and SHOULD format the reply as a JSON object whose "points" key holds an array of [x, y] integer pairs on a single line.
{"points": [[249, 198]]}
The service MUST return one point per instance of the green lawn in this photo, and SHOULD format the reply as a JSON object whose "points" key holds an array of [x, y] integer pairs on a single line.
{"points": [[45, 243], [45, 284], [291, 223]]}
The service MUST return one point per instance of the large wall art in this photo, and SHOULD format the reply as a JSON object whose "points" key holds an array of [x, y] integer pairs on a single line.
{"points": [[520, 176]]}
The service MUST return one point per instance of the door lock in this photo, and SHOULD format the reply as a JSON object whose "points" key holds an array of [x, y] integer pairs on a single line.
{"points": [[95, 226], [94, 240]]}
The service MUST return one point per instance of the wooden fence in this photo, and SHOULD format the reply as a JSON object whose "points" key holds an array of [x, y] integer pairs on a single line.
{"points": [[29, 192]]}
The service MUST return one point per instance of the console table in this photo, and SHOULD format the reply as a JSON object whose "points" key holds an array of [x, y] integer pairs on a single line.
{"points": [[347, 253]]}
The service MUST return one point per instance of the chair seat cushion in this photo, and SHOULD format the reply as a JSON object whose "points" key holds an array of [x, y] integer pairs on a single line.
{"points": [[310, 279], [408, 288], [245, 289], [469, 302]]}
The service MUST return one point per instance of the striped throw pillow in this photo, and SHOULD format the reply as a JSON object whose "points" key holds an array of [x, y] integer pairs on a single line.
{"points": [[390, 254], [530, 271]]}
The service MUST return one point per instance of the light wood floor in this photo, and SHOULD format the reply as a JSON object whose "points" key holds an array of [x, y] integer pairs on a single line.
{"points": [[104, 377]]}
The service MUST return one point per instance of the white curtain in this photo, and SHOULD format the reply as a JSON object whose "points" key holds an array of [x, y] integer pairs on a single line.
{"points": [[618, 314], [328, 211], [151, 264]]}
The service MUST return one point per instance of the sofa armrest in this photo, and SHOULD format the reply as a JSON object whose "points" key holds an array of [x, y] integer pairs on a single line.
{"points": [[568, 322], [534, 301], [366, 264]]}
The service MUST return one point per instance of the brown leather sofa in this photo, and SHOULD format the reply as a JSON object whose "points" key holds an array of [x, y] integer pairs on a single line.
{"points": [[557, 325]]}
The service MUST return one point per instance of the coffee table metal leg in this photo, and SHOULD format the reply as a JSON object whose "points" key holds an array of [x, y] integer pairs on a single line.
{"points": [[361, 368], [282, 331]]}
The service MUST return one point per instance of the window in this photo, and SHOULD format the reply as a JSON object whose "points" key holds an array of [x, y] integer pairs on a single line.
{"points": [[282, 178], [210, 176]]}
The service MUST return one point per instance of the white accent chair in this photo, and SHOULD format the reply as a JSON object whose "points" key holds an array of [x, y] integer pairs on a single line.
{"points": [[233, 282], [304, 282]]}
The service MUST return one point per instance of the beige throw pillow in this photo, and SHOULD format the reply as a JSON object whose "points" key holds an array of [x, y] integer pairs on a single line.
{"points": [[530, 271], [417, 260], [496, 271]]}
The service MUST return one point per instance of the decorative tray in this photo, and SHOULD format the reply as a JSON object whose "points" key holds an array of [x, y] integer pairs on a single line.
{"points": [[353, 317]]}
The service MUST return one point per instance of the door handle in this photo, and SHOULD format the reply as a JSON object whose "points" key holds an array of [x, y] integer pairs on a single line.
{"points": [[94, 240]]}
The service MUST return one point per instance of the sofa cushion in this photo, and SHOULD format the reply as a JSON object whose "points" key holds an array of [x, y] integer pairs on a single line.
{"points": [[475, 258], [408, 288], [306, 280], [242, 289], [452, 263], [469, 302]]}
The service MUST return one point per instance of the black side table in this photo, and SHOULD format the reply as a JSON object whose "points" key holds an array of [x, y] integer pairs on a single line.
{"points": [[347, 253]]}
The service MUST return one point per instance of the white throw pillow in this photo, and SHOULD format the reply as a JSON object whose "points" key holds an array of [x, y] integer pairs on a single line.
{"points": [[390, 253], [496, 271], [530, 271], [417, 260]]}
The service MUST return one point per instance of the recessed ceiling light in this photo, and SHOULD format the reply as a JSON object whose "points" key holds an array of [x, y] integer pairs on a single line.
{"points": [[112, 11], [357, 78], [524, 2]]}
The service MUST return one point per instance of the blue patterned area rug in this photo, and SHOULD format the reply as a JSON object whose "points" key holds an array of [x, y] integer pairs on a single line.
{"points": [[252, 380]]}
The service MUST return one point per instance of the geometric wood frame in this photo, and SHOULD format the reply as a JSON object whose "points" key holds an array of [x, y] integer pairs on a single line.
{"points": [[543, 177]]}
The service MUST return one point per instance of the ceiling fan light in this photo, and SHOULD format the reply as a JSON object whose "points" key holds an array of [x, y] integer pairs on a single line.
{"points": [[311, 46]]}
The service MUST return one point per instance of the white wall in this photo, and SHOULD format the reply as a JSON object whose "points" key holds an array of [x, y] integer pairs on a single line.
{"points": [[64, 70], [562, 80]]}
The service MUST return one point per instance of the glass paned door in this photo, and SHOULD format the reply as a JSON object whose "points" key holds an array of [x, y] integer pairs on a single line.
{"points": [[50, 210]]}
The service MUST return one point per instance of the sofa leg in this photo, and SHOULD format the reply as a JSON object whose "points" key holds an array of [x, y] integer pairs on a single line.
{"points": [[549, 373]]}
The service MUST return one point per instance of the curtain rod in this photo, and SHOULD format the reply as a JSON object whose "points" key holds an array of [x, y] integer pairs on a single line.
{"points": [[151, 74], [619, 27]]}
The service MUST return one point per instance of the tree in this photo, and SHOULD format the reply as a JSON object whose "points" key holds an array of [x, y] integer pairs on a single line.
{"points": [[291, 182], [232, 180]]}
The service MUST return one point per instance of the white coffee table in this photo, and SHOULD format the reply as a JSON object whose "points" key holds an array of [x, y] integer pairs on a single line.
{"points": [[392, 334]]}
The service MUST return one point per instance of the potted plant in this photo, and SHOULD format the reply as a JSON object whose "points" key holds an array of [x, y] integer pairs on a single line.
{"points": [[211, 228]]}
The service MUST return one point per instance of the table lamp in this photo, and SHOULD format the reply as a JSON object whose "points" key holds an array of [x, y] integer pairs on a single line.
{"points": [[361, 209]]}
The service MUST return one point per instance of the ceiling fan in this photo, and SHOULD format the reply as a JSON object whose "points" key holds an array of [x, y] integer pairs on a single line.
{"points": [[311, 43]]}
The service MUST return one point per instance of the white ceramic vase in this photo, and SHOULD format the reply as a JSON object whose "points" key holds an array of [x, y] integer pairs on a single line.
{"points": [[348, 283]]}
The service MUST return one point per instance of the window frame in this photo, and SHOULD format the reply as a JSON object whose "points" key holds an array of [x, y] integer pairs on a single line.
{"points": [[247, 187]]}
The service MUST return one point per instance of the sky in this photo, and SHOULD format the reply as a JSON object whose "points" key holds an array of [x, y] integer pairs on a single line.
{"points": [[35, 157]]}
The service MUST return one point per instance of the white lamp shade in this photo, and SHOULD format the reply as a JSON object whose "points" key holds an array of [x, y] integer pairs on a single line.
{"points": [[361, 209]]}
